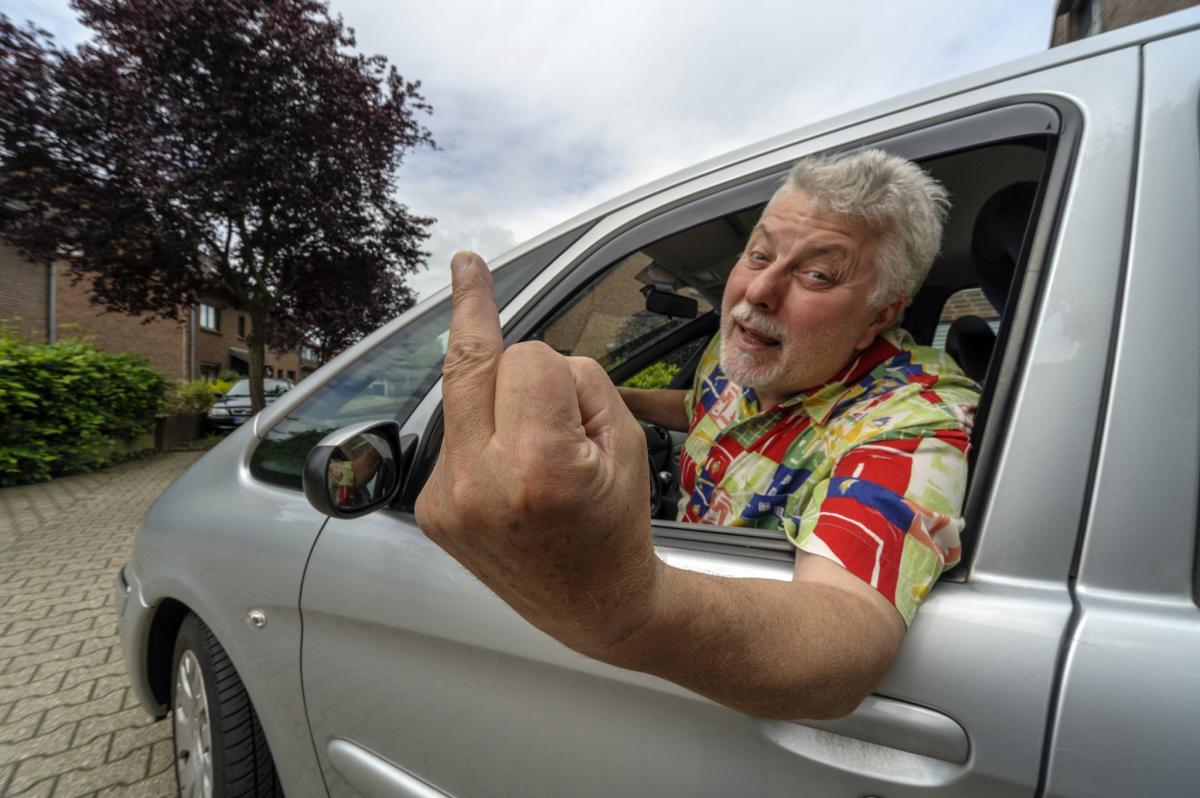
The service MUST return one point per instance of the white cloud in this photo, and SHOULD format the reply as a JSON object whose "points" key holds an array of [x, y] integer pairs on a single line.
{"points": [[542, 109]]}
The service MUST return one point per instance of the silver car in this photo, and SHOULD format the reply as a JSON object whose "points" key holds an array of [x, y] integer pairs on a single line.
{"points": [[299, 648]]}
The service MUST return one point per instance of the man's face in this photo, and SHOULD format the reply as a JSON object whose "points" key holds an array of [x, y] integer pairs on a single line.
{"points": [[797, 304]]}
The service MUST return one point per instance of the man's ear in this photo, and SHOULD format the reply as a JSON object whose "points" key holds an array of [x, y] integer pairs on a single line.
{"points": [[884, 318]]}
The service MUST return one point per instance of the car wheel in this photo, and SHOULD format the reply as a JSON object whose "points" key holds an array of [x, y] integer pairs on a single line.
{"points": [[220, 749]]}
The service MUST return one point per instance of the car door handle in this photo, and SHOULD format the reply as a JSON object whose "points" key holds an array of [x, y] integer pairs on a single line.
{"points": [[886, 722], [375, 777]]}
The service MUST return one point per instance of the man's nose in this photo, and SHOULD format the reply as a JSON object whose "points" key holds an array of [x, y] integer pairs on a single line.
{"points": [[765, 291]]}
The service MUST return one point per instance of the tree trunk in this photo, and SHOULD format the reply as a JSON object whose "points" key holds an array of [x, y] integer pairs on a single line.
{"points": [[256, 343]]}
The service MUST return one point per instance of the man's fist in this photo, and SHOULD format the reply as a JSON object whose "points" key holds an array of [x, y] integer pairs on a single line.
{"points": [[541, 488]]}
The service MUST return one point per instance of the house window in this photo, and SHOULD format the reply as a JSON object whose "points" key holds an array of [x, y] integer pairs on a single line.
{"points": [[209, 371], [270, 371], [210, 318], [291, 375], [308, 354], [241, 326]]}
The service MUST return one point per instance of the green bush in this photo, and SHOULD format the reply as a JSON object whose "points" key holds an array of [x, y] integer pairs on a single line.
{"points": [[230, 376], [656, 375], [66, 407], [196, 396]]}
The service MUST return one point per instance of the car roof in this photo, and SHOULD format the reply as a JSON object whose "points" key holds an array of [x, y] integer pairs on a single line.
{"points": [[1128, 36]]}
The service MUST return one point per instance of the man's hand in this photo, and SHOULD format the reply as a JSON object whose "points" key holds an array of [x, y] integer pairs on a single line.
{"points": [[660, 406], [541, 488]]}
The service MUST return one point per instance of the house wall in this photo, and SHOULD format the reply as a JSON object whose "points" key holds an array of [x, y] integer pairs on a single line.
{"points": [[161, 341], [226, 349], [24, 291], [968, 302], [25, 308]]}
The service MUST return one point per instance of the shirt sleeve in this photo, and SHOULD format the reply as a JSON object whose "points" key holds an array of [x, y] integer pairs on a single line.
{"points": [[891, 514]]}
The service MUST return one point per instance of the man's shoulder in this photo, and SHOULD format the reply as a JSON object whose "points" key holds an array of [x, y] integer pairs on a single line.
{"points": [[915, 392], [931, 369]]}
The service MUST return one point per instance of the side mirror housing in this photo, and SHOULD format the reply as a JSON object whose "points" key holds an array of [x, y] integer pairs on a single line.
{"points": [[357, 469]]}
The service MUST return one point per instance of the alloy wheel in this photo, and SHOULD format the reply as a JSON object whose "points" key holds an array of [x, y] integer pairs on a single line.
{"points": [[193, 736]]}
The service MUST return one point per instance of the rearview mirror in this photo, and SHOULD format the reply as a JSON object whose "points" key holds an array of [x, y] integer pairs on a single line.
{"points": [[357, 469], [670, 304]]}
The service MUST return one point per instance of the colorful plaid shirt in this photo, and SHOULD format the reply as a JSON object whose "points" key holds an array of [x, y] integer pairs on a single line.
{"points": [[868, 470]]}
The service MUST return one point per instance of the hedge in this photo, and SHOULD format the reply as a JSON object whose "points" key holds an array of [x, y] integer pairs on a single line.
{"points": [[67, 407]]}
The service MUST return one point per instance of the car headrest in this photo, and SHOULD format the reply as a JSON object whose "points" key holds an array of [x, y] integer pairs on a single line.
{"points": [[997, 238], [970, 341]]}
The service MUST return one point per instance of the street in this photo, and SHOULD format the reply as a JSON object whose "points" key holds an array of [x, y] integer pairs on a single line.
{"points": [[69, 725]]}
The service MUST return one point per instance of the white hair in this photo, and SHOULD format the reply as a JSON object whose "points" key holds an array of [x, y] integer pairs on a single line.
{"points": [[893, 198]]}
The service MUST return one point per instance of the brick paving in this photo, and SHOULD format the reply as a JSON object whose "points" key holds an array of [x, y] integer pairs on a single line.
{"points": [[69, 724]]}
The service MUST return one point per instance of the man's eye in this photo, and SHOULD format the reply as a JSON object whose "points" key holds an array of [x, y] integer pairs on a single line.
{"points": [[757, 257], [817, 277]]}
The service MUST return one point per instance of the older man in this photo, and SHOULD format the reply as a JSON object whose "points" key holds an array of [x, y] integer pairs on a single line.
{"points": [[858, 441], [809, 413]]}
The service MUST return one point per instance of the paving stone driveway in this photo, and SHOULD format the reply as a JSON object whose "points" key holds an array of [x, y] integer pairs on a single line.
{"points": [[69, 725]]}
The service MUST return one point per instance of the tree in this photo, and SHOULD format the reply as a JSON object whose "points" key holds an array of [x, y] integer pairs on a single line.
{"points": [[238, 146], [366, 295]]}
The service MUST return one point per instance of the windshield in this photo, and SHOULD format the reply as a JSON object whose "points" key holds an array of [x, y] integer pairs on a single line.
{"points": [[270, 388]]}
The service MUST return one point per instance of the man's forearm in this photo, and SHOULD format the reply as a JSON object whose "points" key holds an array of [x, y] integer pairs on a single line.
{"points": [[663, 407], [768, 648]]}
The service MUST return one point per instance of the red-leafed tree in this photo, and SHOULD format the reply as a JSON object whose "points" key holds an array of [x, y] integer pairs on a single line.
{"points": [[240, 146], [366, 296]]}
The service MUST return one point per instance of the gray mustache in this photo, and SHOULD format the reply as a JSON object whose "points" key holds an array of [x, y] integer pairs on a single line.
{"points": [[746, 315]]}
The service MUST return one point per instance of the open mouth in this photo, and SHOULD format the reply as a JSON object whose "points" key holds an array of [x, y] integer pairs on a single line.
{"points": [[752, 339]]}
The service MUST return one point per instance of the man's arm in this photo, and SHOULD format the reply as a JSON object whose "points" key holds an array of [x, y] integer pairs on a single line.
{"points": [[541, 491], [814, 647], [663, 407]]}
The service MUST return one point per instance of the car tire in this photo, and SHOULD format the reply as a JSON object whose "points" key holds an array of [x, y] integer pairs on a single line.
{"points": [[220, 749]]}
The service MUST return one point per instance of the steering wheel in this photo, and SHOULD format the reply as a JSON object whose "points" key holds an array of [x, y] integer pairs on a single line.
{"points": [[658, 447]]}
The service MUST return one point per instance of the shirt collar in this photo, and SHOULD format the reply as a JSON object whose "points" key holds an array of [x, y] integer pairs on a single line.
{"points": [[819, 402]]}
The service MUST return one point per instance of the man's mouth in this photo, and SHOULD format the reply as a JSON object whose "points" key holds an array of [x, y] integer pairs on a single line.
{"points": [[750, 338]]}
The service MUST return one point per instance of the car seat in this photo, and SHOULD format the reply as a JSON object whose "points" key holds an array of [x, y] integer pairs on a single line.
{"points": [[995, 249]]}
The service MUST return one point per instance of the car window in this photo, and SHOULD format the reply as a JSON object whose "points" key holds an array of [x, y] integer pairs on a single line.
{"points": [[599, 310], [669, 370], [388, 382], [960, 304], [609, 319]]}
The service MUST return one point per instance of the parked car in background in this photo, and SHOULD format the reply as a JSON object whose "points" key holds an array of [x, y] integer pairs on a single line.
{"points": [[296, 647], [232, 409]]}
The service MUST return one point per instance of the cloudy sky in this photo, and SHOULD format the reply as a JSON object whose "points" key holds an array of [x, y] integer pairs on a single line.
{"points": [[544, 108]]}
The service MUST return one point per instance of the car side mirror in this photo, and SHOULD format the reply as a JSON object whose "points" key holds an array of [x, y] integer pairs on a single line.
{"points": [[671, 304], [357, 469]]}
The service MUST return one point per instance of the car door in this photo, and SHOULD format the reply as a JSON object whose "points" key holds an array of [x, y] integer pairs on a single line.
{"points": [[1130, 691], [419, 681]]}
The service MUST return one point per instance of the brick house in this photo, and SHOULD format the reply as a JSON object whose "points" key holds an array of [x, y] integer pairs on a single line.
{"points": [[1078, 19], [220, 344], [42, 304]]}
